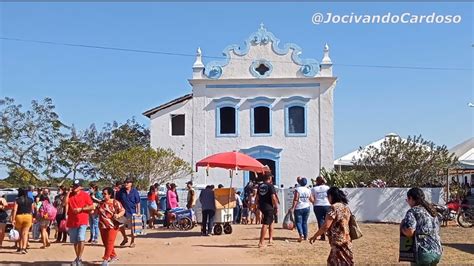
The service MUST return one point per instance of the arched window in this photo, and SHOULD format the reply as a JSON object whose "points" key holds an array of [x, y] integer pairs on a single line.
{"points": [[227, 117], [261, 116], [261, 120], [296, 119]]}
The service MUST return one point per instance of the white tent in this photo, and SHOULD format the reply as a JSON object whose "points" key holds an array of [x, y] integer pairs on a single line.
{"points": [[465, 153], [350, 158]]}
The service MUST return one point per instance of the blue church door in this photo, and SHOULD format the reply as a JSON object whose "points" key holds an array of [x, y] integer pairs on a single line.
{"points": [[259, 177]]}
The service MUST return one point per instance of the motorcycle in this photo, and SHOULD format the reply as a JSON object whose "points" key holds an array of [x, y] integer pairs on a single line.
{"points": [[465, 216], [448, 212]]}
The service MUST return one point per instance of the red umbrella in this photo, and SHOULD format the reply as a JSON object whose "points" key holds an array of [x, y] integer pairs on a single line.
{"points": [[233, 160]]}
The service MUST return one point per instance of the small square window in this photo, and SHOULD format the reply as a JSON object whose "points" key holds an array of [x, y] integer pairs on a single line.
{"points": [[177, 125]]}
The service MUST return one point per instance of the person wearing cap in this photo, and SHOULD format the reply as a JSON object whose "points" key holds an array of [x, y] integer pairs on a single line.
{"points": [[302, 207], [77, 218], [191, 199], [129, 197], [321, 203], [267, 203]]}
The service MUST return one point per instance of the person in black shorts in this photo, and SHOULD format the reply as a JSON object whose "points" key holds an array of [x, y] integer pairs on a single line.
{"points": [[267, 202]]}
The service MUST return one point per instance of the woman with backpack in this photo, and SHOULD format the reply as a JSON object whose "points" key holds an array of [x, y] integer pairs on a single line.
{"points": [[111, 214], [44, 218]]}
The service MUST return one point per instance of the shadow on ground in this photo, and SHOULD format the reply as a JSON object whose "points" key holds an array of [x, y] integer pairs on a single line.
{"points": [[227, 246], [49, 263], [464, 247], [275, 238], [171, 234]]}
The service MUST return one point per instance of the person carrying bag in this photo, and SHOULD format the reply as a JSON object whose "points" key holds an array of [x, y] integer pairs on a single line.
{"points": [[289, 221], [111, 218]]}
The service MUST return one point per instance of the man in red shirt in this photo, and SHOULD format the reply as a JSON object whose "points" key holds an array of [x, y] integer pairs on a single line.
{"points": [[79, 205]]}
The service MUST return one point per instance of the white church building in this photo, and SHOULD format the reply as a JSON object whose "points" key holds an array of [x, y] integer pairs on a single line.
{"points": [[263, 100]]}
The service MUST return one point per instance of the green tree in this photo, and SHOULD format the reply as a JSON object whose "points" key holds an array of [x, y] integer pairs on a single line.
{"points": [[113, 138], [146, 166], [73, 154], [28, 138], [405, 163], [351, 178]]}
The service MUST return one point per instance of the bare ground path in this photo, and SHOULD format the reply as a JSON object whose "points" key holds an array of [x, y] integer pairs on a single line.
{"points": [[378, 245]]}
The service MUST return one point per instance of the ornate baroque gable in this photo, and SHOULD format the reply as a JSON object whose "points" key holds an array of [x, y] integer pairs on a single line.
{"points": [[261, 56]]}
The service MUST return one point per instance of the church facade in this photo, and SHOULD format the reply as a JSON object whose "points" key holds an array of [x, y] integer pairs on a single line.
{"points": [[263, 100]]}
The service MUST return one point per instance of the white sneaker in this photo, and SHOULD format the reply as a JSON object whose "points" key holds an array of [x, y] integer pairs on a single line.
{"points": [[105, 263]]}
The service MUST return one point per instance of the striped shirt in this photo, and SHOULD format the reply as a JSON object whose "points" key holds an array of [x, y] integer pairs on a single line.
{"points": [[106, 213]]}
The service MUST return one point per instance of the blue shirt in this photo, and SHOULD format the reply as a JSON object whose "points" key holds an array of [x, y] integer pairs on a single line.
{"points": [[129, 200], [426, 230], [207, 199], [30, 195]]}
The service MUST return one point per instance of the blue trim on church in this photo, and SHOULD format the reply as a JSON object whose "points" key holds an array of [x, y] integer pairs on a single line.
{"points": [[264, 85], [264, 152], [227, 102]]}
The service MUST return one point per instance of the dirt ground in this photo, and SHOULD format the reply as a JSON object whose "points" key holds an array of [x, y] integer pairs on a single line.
{"points": [[378, 245]]}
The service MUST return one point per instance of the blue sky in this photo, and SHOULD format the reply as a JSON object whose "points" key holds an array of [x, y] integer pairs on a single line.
{"points": [[97, 86]]}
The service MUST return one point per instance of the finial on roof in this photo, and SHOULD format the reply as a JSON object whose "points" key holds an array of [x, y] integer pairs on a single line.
{"points": [[262, 26], [326, 60], [198, 63]]}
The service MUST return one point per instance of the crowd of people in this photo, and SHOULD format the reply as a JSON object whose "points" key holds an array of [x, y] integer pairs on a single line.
{"points": [[110, 211], [333, 215], [105, 212]]}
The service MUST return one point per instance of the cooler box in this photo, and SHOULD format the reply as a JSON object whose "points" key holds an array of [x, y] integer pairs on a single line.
{"points": [[224, 216], [138, 224], [225, 198]]}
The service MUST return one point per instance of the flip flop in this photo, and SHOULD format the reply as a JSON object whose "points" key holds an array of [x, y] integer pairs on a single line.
{"points": [[132, 245]]}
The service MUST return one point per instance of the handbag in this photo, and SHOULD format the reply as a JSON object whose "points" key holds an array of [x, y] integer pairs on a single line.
{"points": [[63, 226], [354, 230], [120, 221], [408, 250], [289, 221]]}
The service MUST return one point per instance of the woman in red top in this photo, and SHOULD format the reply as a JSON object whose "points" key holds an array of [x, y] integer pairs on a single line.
{"points": [[110, 210], [152, 206]]}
